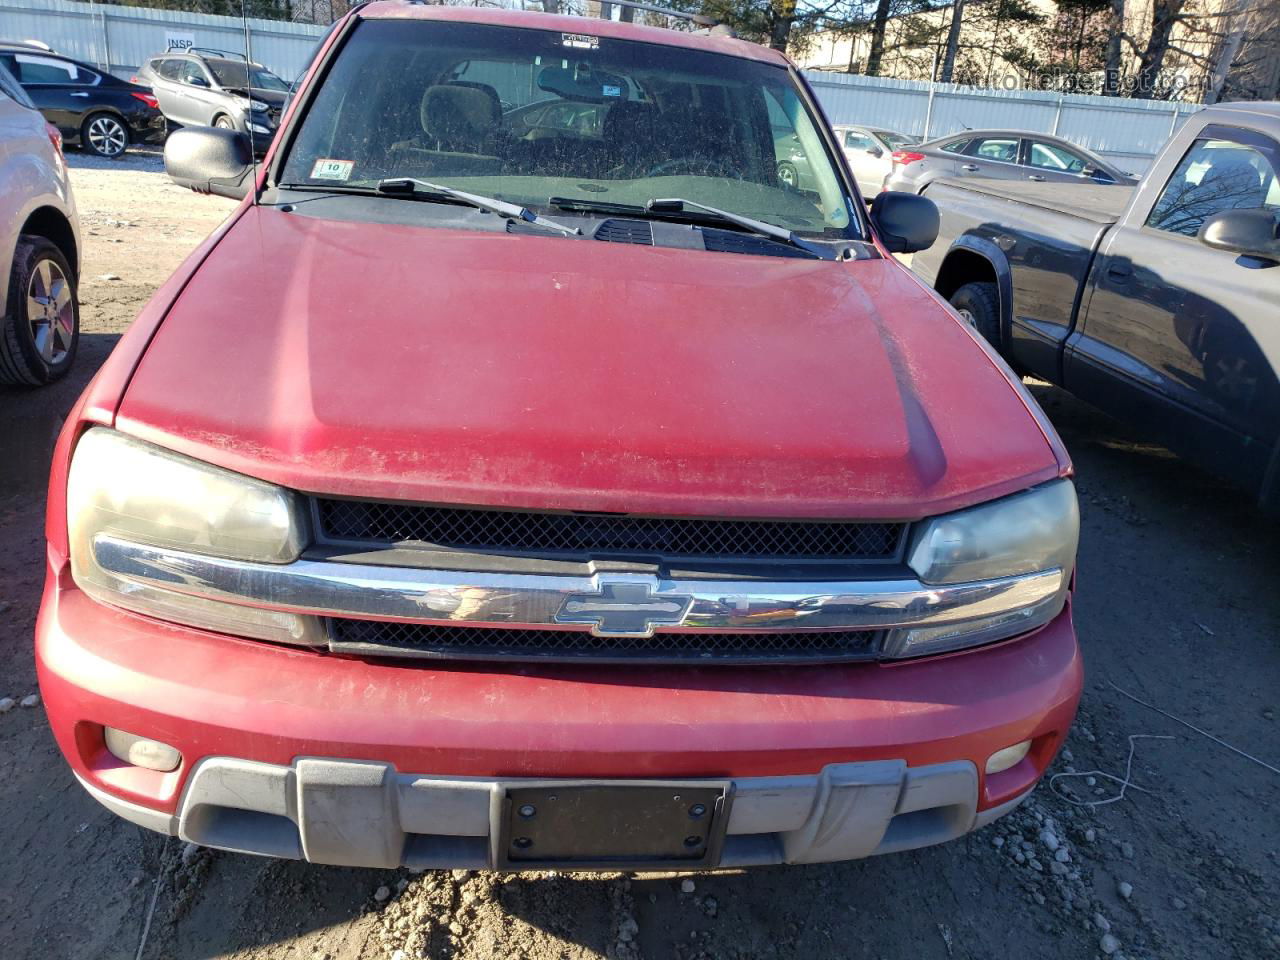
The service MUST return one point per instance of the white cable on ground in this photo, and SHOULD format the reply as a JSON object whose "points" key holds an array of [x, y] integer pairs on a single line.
{"points": [[1192, 726], [155, 893], [1126, 782]]}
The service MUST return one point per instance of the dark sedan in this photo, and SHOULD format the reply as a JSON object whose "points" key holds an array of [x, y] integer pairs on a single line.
{"points": [[101, 113]]}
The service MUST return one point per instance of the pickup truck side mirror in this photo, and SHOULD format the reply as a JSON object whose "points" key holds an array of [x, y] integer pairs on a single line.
{"points": [[210, 160], [1249, 232], [906, 222]]}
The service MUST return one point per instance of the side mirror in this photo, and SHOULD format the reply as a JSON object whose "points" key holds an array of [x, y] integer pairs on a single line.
{"points": [[210, 160], [875, 151], [195, 80], [906, 222], [1249, 232]]}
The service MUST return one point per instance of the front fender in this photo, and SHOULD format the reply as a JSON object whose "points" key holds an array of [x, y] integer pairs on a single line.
{"points": [[999, 263], [30, 183]]}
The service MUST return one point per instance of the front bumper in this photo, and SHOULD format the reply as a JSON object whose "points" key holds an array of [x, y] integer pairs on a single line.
{"points": [[353, 813], [291, 752]]}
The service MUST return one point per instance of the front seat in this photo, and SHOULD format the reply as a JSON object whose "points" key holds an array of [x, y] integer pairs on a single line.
{"points": [[459, 130]]}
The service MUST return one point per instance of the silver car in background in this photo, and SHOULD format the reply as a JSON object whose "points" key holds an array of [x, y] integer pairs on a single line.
{"points": [[1001, 155], [869, 151], [39, 245]]}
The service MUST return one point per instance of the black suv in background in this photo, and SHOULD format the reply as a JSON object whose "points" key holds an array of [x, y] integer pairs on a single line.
{"points": [[211, 88], [90, 107]]}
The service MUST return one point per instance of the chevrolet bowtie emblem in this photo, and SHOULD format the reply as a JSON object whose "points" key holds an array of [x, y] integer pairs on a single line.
{"points": [[624, 609]]}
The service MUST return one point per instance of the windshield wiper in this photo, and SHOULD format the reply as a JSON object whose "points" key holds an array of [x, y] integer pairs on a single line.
{"points": [[772, 231], [408, 186], [666, 209]]}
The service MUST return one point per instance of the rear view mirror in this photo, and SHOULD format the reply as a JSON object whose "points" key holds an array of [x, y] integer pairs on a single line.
{"points": [[210, 160], [1249, 232], [582, 83], [906, 222]]}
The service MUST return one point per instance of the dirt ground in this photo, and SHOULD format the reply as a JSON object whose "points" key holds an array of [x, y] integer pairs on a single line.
{"points": [[1177, 605]]}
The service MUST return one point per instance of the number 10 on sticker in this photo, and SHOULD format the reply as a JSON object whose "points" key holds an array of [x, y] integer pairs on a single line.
{"points": [[327, 169]]}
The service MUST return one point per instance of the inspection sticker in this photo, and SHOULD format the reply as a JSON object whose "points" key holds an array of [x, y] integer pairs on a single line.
{"points": [[326, 169], [580, 40]]}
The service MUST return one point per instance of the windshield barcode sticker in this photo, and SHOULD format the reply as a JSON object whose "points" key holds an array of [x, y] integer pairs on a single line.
{"points": [[326, 169], [580, 40]]}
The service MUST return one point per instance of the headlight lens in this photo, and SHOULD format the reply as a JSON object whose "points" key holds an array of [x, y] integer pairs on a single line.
{"points": [[1031, 531], [124, 488], [1027, 534]]}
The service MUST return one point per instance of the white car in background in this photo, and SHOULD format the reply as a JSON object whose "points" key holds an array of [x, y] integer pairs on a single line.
{"points": [[870, 153], [39, 245]]}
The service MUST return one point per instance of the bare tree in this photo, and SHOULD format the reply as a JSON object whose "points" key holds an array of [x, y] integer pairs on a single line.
{"points": [[1115, 51], [953, 42], [878, 24]]}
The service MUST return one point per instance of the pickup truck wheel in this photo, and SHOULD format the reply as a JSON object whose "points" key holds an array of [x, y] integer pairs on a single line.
{"points": [[40, 332], [979, 304]]}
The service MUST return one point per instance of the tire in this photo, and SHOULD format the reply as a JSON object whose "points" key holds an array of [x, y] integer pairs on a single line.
{"points": [[788, 175], [979, 304], [104, 135], [40, 332], [223, 122]]}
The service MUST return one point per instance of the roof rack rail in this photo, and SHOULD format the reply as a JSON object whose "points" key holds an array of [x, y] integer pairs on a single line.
{"points": [[700, 19], [229, 54]]}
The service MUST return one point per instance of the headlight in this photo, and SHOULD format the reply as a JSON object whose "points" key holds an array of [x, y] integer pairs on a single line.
{"points": [[123, 488], [1027, 541]]}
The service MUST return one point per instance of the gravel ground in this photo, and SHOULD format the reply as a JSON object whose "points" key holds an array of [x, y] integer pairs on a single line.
{"points": [[1177, 606]]}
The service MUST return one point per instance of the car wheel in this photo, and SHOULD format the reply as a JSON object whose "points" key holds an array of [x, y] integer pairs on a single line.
{"points": [[979, 305], [40, 332], [788, 176], [224, 123], [104, 135]]}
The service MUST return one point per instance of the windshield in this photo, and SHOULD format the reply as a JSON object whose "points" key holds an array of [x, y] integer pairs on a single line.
{"points": [[526, 115], [232, 74], [896, 141]]}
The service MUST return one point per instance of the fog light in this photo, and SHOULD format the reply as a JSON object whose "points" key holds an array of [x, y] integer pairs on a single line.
{"points": [[1002, 760], [141, 752]]}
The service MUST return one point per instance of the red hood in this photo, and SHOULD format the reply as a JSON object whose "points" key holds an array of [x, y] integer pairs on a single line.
{"points": [[466, 367]]}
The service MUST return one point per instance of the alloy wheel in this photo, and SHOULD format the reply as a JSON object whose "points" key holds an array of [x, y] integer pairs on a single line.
{"points": [[107, 136], [50, 311]]}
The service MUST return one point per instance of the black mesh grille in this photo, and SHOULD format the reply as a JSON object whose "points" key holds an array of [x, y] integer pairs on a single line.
{"points": [[726, 241], [625, 231], [372, 637], [547, 534]]}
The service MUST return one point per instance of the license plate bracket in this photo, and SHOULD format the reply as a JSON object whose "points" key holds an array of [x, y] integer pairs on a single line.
{"points": [[610, 824]]}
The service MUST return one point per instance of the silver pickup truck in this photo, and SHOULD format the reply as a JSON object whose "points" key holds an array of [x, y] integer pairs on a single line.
{"points": [[1159, 305]]}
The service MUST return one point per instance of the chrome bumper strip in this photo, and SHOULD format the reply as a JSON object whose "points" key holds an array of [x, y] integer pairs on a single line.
{"points": [[615, 604]]}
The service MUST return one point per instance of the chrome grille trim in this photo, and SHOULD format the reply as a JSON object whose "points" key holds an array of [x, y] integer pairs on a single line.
{"points": [[622, 604]]}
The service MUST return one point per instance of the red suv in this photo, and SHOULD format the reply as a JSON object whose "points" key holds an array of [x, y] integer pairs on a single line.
{"points": [[512, 494]]}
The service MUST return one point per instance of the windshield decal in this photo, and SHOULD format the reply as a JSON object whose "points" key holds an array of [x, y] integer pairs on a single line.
{"points": [[580, 41], [327, 169]]}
